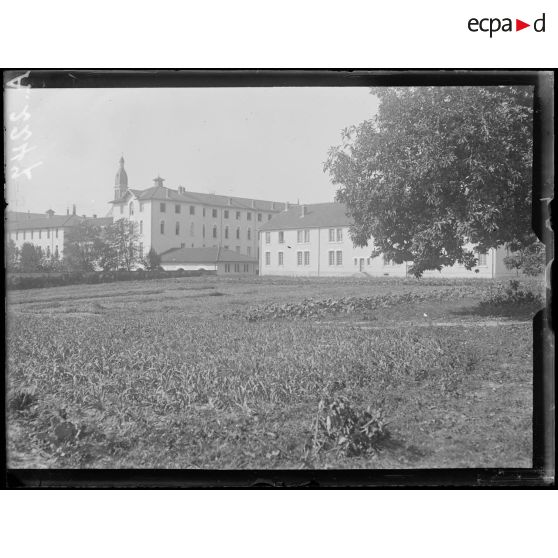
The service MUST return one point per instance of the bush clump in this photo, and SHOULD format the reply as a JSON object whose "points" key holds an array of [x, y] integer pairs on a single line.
{"points": [[513, 295]]}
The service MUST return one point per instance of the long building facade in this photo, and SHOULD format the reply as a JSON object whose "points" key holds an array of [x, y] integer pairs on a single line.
{"points": [[168, 218], [314, 241]]}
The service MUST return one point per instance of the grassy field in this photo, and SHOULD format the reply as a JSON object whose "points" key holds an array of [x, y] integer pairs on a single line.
{"points": [[221, 373]]}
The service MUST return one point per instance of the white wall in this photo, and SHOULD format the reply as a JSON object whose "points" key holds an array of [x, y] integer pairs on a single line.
{"points": [[319, 247], [44, 237]]}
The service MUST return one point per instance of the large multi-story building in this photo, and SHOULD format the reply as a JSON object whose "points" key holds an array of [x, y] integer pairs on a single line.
{"points": [[167, 218], [47, 231], [313, 241]]}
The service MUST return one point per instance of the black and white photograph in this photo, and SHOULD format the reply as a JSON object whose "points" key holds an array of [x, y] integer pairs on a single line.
{"points": [[272, 275]]}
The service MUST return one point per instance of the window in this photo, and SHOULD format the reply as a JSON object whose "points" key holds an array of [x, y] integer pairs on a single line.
{"points": [[331, 257], [162, 227], [214, 232], [56, 233], [177, 208], [237, 232], [226, 213], [182, 244], [306, 258], [121, 209], [177, 228], [281, 237], [339, 235], [307, 235], [56, 253], [268, 258], [162, 207], [246, 268], [48, 251], [192, 210], [481, 258], [367, 261], [249, 251], [191, 229], [226, 247], [141, 227], [141, 249], [387, 261], [227, 268], [339, 257], [267, 237], [131, 208], [249, 216], [40, 233], [280, 258], [249, 234], [238, 215], [32, 234], [332, 235], [299, 236], [259, 217], [203, 211], [214, 213], [237, 249], [237, 268], [203, 231], [226, 232], [269, 217], [17, 234], [299, 258], [356, 261]]}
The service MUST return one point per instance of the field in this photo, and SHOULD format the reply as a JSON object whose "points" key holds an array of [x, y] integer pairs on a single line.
{"points": [[221, 373]]}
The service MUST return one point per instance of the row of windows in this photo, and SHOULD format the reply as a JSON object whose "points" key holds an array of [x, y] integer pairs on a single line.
{"points": [[192, 210], [303, 236], [40, 233], [214, 230], [246, 268], [302, 258]]}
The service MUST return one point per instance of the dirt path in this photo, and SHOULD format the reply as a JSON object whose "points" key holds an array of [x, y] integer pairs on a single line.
{"points": [[476, 323]]}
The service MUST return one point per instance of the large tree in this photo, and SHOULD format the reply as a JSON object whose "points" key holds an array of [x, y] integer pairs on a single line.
{"points": [[83, 247], [121, 249], [436, 169], [30, 258]]}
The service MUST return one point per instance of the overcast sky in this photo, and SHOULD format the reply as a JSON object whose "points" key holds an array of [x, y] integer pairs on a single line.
{"points": [[268, 143]]}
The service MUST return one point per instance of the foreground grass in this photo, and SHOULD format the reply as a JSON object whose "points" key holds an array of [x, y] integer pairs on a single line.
{"points": [[119, 379]]}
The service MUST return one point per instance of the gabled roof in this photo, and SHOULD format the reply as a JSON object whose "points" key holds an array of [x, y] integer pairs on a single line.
{"points": [[204, 255], [168, 194], [56, 221], [316, 215]]}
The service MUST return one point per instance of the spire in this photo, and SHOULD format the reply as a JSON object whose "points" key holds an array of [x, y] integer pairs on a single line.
{"points": [[121, 180]]}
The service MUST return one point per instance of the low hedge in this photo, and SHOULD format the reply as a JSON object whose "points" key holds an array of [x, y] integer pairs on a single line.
{"points": [[15, 281]]}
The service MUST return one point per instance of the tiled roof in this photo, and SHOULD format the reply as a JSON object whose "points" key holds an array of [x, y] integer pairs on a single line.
{"points": [[168, 194], [316, 215], [204, 255], [56, 221]]}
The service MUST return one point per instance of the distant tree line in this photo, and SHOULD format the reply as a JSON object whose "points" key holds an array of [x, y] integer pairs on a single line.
{"points": [[87, 247]]}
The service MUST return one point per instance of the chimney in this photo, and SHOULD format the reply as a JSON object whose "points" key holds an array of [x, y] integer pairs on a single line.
{"points": [[50, 213], [181, 190], [303, 211], [74, 209], [94, 216]]}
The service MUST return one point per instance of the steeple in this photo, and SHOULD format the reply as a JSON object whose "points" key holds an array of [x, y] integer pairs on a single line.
{"points": [[121, 181]]}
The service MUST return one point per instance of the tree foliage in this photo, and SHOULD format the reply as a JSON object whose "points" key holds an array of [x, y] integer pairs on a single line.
{"points": [[152, 261], [121, 249], [30, 258], [83, 247], [439, 173], [12, 255], [530, 259]]}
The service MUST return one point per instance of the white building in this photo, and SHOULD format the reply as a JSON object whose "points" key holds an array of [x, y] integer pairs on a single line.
{"points": [[314, 241], [224, 262], [46, 231], [167, 218]]}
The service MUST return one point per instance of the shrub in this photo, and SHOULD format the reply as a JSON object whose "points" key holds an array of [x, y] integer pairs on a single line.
{"points": [[513, 294], [352, 432]]}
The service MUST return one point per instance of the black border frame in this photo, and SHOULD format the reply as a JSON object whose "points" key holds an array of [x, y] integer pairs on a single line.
{"points": [[543, 470]]}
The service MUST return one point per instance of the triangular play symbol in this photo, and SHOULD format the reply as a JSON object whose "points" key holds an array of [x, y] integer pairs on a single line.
{"points": [[519, 25]]}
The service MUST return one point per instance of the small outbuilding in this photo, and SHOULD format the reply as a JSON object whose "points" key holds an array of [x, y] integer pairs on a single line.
{"points": [[224, 262]]}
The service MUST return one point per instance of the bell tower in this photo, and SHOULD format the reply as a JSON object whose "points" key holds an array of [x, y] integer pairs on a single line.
{"points": [[121, 181]]}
